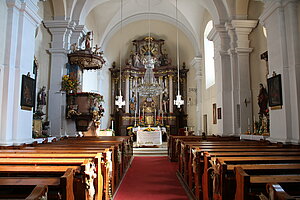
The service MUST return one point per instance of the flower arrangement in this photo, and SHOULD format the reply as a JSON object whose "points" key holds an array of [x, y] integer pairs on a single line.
{"points": [[149, 129], [69, 84]]}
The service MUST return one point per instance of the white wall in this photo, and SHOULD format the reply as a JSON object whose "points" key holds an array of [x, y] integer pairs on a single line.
{"points": [[42, 45], [3, 14], [209, 94], [259, 44]]}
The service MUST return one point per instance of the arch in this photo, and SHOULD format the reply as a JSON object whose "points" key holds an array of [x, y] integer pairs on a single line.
{"points": [[242, 9], [113, 28], [59, 9]]}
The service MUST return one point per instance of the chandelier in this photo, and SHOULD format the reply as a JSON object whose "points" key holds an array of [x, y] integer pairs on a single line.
{"points": [[149, 86]]}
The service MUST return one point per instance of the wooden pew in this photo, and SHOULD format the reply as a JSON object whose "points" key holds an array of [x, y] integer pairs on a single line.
{"points": [[277, 192], [174, 143], [63, 159], [195, 164], [83, 147], [244, 181], [38, 193], [113, 164], [64, 183], [200, 164], [222, 169]]}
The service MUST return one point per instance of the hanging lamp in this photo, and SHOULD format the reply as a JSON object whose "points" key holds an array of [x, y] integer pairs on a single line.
{"points": [[178, 102], [119, 99]]}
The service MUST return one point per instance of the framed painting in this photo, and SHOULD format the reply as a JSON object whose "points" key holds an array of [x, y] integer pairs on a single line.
{"points": [[214, 113], [27, 92], [275, 91]]}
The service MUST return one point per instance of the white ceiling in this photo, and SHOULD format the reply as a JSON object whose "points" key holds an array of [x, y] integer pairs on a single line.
{"points": [[107, 15]]}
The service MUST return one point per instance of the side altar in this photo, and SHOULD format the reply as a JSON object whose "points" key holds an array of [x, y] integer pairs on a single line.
{"points": [[148, 111]]}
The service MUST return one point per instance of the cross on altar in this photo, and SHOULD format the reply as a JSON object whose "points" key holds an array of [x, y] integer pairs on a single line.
{"points": [[119, 102], [178, 102]]}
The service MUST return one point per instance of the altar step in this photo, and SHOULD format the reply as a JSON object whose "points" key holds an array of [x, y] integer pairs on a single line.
{"points": [[151, 151]]}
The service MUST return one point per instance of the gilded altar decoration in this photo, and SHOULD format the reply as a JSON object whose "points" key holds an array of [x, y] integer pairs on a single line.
{"points": [[150, 79], [86, 109]]}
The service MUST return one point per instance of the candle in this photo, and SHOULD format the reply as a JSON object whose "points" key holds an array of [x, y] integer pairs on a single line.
{"points": [[248, 121], [112, 125], [155, 116], [139, 115]]}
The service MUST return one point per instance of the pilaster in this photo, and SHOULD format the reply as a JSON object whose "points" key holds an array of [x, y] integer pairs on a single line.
{"points": [[242, 29], [196, 63], [59, 30], [221, 41], [236, 125]]}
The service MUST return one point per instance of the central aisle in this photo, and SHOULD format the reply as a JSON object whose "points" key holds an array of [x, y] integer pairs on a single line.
{"points": [[151, 178]]}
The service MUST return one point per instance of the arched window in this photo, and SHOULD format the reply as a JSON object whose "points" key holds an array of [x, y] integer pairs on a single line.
{"points": [[209, 57]]}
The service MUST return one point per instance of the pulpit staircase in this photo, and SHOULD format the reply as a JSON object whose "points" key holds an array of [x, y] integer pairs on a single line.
{"points": [[161, 150]]}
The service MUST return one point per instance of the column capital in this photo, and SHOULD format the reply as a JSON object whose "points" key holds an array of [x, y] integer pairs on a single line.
{"points": [[242, 30], [197, 64], [56, 25], [219, 36], [14, 3]]}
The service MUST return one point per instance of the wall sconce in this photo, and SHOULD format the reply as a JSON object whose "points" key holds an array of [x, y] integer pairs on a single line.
{"points": [[246, 102]]}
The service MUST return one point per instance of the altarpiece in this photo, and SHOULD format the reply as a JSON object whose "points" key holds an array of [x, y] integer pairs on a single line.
{"points": [[153, 110]]}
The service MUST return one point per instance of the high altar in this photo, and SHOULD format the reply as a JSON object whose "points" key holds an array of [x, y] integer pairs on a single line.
{"points": [[148, 111]]}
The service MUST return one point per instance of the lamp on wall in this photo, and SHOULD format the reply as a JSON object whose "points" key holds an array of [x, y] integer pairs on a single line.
{"points": [[149, 87], [178, 102], [119, 99]]}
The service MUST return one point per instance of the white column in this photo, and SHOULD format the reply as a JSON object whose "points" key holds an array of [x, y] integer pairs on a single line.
{"points": [[223, 78], [236, 125], [22, 20], [171, 102], [127, 93], [281, 21], [242, 30], [57, 99], [196, 63]]}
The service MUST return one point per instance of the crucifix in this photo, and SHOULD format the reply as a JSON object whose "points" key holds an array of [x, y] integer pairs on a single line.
{"points": [[264, 56]]}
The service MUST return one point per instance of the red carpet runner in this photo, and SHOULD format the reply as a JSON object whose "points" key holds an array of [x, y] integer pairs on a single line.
{"points": [[151, 178]]}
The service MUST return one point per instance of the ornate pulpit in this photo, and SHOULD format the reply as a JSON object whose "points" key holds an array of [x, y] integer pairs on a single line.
{"points": [[150, 110]]}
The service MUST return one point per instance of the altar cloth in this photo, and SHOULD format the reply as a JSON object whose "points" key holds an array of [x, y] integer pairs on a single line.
{"points": [[148, 138]]}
